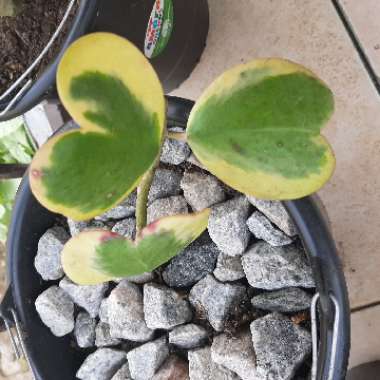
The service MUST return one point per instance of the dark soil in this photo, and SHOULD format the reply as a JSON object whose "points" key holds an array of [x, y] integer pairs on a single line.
{"points": [[22, 38]]}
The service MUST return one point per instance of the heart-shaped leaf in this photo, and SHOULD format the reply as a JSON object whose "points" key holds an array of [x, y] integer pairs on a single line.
{"points": [[97, 256], [111, 90], [257, 128]]}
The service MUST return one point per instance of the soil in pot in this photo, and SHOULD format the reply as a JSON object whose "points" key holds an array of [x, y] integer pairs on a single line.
{"points": [[233, 305], [23, 37]]}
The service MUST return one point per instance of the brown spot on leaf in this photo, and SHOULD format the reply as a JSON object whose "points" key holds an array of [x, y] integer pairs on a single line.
{"points": [[237, 147]]}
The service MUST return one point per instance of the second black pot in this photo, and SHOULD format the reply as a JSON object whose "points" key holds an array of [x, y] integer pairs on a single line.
{"points": [[172, 33]]}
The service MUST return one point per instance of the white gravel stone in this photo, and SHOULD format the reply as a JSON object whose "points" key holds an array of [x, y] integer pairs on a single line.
{"points": [[56, 311], [228, 268], [174, 152], [103, 311], [164, 308], [287, 300], [201, 190], [217, 301], [123, 373], [235, 353], [270, 268], [280, 346], [263, 229], [145, 360], [227, 226], [202, 367], [276, 213], [103, 336], [166, 207], [48, 259], [188, 336], [102, 364], [126, 313], [126, 228], [166, 183], [88, 297], [84, 330]]}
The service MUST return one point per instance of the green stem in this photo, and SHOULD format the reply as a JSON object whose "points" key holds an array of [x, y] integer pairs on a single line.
{"points": [[142, 197]]}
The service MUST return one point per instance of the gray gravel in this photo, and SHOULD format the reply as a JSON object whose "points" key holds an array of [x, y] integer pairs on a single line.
{"points": [[84, 330], [194, 160], [145, 360], [228, 268], [235, 353], [126, 313], [164, 308], [121, 211], [166, 182], [102, 364], [188, 336], [56, 310], [227, 226], [270, 268], [201, 190], [263, 229], [89, 297], [280, 346], [77, 227], [174, 368], [192, 264], [103, 336], [48, 259], [287, 300], [123, 373], [141, 278], [201, 367], [218, 302], [166, 207], [103, 311], [126, 228], [276, 213], [174, 152]]}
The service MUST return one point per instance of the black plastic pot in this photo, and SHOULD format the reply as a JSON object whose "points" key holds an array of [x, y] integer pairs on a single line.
{"points": [[53, 358], [187, 41], [130, 19]]}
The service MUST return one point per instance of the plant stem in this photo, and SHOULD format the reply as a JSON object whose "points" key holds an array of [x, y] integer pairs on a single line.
{"points": [[142, 197]]}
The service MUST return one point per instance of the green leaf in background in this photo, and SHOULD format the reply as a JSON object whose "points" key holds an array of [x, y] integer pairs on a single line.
{"points": [[15, 148], [15, 145], [8, 190]]}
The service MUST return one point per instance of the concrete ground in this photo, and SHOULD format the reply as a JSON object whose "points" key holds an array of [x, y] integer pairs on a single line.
{"points": [[340, 41]]}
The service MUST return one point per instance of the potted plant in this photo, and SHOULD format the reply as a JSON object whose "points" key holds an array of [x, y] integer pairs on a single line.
{"points": [[34, 35], [256, 128]]}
